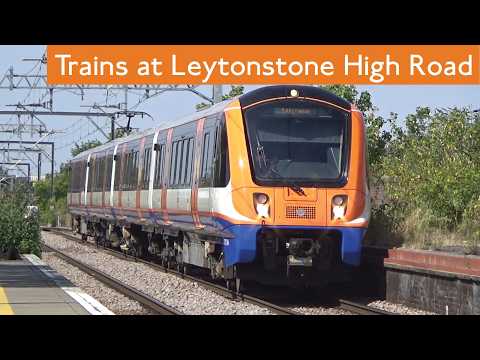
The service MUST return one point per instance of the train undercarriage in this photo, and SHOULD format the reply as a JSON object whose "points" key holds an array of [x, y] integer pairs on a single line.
{"points": [[290, 258]]}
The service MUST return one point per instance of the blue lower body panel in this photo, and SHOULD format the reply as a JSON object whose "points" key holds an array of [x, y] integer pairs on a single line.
{"points": [[241, 248]]}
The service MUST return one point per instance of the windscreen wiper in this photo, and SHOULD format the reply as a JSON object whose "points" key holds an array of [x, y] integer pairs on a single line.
{"points": [[295, 187], [261, 152]]}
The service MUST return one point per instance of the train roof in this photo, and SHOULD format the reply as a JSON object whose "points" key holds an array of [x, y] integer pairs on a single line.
{"points": [[165, 125], [251, 97]]}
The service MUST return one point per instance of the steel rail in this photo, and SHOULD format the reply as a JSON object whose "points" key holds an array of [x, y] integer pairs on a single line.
{"points": [[361, 309], [125, 289], [221, 290]]}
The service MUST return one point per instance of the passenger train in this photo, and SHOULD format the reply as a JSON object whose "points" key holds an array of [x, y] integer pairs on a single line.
{"points": [[270, 186]]}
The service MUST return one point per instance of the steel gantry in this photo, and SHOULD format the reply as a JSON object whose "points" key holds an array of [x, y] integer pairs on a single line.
{"points": [[36, 143]]}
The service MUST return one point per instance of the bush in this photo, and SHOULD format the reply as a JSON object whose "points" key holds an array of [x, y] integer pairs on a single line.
{"points": [[433, 170], [16, 229], [471, 225]]}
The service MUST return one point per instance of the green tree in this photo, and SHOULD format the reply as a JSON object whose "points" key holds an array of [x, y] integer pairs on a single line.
{"points": [[121, 132], [79, 148], [51, 208], [434, 163], [377, 136], [433, 169], [235, 90]]}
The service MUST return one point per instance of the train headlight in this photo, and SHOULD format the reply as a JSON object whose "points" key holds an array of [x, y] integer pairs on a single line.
{"points": [[262, 206], [338, 200], [261, 198], [339, 206]]}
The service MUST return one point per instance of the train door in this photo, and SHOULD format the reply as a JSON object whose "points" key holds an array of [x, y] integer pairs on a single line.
{"points": [[85, 188], [114, 182], [205, 174], [107, 183], [220, 172]]}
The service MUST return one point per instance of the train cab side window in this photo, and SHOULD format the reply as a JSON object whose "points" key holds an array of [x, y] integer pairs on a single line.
{"points": [[221, 166]]}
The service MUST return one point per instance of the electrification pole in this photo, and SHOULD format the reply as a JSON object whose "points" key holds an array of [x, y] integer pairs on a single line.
{"points": [[217, 94]]}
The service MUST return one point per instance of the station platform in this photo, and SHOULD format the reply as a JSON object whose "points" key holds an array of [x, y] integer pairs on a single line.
{"points": [[30, 287]]}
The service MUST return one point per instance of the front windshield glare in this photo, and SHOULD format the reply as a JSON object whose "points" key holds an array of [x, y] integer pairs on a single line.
{"points": [[296, 141]]}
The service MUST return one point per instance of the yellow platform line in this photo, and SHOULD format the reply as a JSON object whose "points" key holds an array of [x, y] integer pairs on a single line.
{"points": [[5, 308]]}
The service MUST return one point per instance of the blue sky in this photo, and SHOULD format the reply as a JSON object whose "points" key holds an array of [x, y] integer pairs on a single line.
{"points": [[388, 98]]}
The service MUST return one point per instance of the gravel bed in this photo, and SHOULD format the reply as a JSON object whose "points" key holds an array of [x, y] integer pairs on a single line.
{"points": [[113, 300], [307, 310], [186, 296], [398, 308]]}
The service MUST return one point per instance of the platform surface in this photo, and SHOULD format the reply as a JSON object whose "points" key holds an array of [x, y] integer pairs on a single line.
{"points": [[30, 287]]}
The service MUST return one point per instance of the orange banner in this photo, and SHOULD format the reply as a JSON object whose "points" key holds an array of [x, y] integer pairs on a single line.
{"points": [[263, 64]]}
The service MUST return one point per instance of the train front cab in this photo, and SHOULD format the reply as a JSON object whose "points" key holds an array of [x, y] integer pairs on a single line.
{"points": [[299, 187]]}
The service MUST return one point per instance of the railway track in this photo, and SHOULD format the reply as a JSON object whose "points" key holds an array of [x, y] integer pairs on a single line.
{"points": [[223, 291], [360, 309], [146, 300], [347, 305]]}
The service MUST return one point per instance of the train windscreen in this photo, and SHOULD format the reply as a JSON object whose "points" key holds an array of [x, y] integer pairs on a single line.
{"points": [[297, 141]]}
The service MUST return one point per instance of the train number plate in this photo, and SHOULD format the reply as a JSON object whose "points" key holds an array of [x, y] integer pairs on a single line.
{"points": [[299, 261]]}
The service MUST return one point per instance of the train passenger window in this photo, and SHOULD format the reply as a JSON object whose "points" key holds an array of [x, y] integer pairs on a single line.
{"points": [[90, 174], [135, 171], [147, 155], [121, 162], [95, 174], [180, 162], [108, 173], [185, 162], [159, 164], [118, 164], [206, 144], [130, 172], [188, 173], [99, 170], [71, 185], [173, 163], [124, 178], [83, 173], [77, 173]]}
